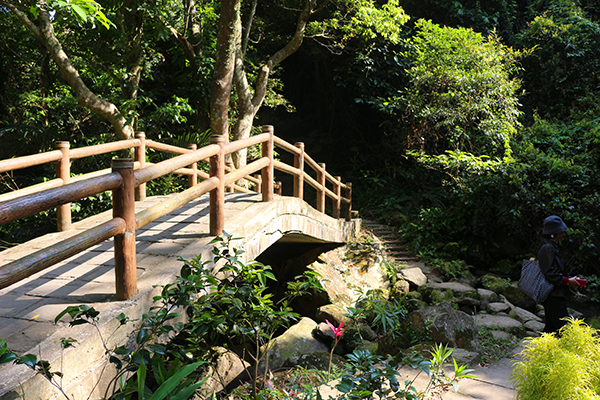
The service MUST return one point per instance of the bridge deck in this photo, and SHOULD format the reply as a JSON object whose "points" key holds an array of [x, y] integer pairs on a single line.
{"points": [[29, 307]]}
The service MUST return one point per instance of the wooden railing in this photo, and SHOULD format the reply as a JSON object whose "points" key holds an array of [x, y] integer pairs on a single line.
{"points": [[127, 179]]}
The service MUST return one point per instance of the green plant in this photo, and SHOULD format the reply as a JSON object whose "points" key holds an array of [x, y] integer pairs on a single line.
{"points": [[563, 366], [227, 302], [493, 349], [369, 375], [383, 315]]}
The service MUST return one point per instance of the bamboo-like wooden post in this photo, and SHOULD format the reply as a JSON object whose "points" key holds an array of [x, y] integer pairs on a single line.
{"points": [[257, 186], [278, 188], [124, 207], [63, 171], [349, 203], [321, 190], [217, 195], [140, 157], [193, 179], [268, 171], [337, 202], [299, 163]]}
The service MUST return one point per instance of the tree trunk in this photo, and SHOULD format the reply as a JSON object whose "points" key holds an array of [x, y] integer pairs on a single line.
{"points": [[248, 104], [227, 39]]}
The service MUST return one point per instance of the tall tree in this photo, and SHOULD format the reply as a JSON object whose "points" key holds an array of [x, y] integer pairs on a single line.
{"points": [[339, 20]]}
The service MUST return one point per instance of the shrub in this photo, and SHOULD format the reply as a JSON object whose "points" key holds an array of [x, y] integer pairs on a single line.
{"points": [[557, 367]]}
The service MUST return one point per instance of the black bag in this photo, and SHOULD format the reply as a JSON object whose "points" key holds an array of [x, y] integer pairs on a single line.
{"points": [[533, 283]]}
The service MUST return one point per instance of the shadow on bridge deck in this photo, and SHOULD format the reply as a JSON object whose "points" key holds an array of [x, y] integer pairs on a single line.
{"points": [[29, 307]]}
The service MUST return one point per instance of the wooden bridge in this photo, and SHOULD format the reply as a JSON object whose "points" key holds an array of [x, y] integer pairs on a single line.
{"points": [[115, 260]]}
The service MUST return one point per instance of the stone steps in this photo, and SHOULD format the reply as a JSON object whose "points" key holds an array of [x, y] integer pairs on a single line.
{"points": [[392, 241]]}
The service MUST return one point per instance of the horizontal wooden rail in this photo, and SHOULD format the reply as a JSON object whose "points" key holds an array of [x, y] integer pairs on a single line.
{"points": [[165, 167], [55, 183], [247, 170], [167, 148], [174, 202], [127, 180], [103, 148], [44, 258], [29, 161], [32, 204], [245, 143], [279, 142]]}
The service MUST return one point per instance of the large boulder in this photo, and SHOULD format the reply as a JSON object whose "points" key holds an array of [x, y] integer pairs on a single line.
{"points": [[446, 325], [294, 342], [225, 368]]}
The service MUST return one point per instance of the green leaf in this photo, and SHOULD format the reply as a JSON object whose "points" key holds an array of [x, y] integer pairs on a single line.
{"points": [[28, 359], [173, 381], [141, 380], [141, 336], [79, 12]]}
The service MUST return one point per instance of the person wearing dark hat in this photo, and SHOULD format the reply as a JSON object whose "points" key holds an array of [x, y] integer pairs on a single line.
{"points": [[555, 271]]}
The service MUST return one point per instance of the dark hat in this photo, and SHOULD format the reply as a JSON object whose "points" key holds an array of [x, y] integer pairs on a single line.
{"points": [[553, 225]]}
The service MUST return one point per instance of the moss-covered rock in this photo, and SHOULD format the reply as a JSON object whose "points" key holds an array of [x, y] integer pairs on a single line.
{"points": [[494, 283]]}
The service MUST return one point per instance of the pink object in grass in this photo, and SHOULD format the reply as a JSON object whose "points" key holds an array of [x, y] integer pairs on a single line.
{"points": [[337, 331]]}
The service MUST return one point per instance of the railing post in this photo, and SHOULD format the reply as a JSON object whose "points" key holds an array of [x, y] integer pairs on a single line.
{"points": [[349, 204], [124, 207], [337, 203], [63, 171], [257, 187], [299, 163], [217, 195], [193, 179], [321, 191], [268, 171], [140, 157]]}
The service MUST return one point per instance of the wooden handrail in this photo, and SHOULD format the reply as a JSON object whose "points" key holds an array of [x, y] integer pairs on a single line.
{"points": [[44, 258], [127, 180], [98, 149], [25, 206]]}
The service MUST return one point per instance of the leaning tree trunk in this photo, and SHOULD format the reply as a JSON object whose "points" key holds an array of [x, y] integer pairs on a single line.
{"points": [[85, 97]]}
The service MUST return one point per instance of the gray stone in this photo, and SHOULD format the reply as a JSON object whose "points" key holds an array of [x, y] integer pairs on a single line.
{"points": [[464, 357], [318, 360], [332, 313], [296, 341], [446, 325], [498, 307], [414, 276], [499, 322], [523, 315], [534, 326], [501, 335], [487, 295], [225, 367], [401, 287], [456, 287]]}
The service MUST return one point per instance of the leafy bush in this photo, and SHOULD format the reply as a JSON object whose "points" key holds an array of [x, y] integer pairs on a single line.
{"points": [[560, 367]]}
